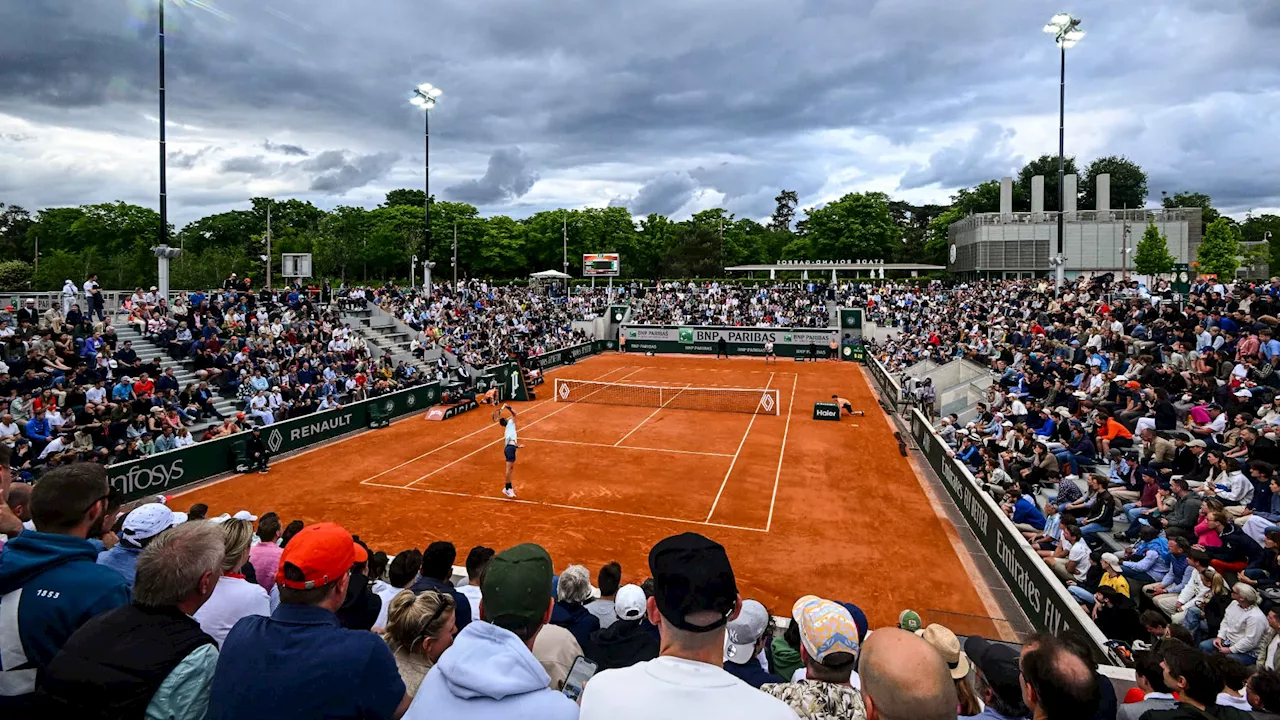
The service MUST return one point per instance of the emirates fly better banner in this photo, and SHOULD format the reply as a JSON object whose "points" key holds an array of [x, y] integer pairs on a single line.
{"points": [[787, 342]]}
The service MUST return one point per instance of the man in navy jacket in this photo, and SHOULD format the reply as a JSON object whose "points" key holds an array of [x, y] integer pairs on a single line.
{"points": [[50, 582]]}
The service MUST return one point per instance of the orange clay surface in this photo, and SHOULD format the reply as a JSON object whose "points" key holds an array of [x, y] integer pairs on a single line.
{"points": [[802, 506]]}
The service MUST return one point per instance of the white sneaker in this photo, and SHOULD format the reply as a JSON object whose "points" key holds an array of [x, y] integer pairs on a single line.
{"points": [[1072, 477], [509, 492]]}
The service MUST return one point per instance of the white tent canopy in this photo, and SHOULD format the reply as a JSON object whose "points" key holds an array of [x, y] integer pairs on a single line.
{"points": [[550, 275]]}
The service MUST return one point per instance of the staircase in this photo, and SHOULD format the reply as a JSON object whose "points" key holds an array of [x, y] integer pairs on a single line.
{"points": [[183, 371], [385, 334]]}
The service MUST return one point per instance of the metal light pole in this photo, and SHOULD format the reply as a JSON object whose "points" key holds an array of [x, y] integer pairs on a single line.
{"points": [[425, 97], [1066, 31], [164, 192], [455, 257]]}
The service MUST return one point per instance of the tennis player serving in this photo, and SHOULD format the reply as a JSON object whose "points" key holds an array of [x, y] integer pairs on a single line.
{"points": [[509, 446]]}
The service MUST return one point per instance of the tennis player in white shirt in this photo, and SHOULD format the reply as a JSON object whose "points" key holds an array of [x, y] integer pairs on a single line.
{"points": [[510, 444]]}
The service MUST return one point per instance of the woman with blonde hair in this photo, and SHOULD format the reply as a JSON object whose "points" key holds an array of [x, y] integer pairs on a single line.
{"points": [[419, 629], [234, 597]]}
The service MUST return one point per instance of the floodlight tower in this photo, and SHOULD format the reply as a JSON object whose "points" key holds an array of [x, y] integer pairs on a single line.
{"points": [[425, 97], [1066, 33]]}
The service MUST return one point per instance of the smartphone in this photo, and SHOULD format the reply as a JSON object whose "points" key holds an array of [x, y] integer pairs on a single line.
{"points": [[579, 674]]}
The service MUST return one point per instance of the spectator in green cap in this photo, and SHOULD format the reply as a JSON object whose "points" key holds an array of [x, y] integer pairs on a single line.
{"points": [[490, 670]]}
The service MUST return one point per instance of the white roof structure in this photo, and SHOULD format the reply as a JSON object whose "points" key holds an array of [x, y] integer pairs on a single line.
{"points": [[550, 275]]}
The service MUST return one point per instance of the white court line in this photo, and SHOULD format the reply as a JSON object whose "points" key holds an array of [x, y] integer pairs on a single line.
{"points": [[458, 440], [739, 450], [495, 442], [655, 412], [782, 452], [567, 507], [628, 447]]}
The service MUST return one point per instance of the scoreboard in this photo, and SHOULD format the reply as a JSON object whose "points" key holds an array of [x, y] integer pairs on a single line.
{"points": [[601, 265]]}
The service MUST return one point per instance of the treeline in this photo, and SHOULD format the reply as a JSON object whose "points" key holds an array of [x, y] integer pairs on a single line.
{"points": [[372, 245]]}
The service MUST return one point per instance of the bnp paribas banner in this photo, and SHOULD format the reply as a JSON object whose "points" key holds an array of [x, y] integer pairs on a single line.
{"points": [[787, 342]]}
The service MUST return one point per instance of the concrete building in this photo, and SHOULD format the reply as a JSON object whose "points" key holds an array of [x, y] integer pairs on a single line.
{"points": [[1019, 244]]}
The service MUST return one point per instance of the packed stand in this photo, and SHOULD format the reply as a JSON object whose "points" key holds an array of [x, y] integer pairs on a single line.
{"points": [[72, 391], [801, 305], [188, 614], [482, 324], [280, 353], [1131, 439]]}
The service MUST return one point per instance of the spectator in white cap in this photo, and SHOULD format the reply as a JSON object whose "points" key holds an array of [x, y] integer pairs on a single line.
{"points": [[829, 647], [234, 597], [141, 526], [625, 641], [745, 636]]}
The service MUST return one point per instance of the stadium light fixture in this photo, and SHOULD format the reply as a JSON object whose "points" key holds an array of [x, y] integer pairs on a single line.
{"points": [[1066, 32], [425, 96]]}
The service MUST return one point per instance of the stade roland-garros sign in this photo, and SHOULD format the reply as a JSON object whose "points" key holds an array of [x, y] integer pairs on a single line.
{"points": [[787, 342]]}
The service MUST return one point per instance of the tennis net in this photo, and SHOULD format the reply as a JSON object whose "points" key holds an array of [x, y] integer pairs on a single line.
{"points": [[743, 400]]}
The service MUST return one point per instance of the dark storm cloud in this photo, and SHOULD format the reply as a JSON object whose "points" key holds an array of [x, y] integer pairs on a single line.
{"points": [[664, 195], [183, 160], [639, 87], [249, 165], [984, 156], [284, 149], [338, 172], [507, 178]]}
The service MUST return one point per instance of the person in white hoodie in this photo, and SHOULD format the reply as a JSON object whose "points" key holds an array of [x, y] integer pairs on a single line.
{"points": [[490, 672]]}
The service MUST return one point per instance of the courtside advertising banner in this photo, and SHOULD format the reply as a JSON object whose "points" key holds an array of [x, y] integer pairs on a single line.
{"points": [[787, 342], [1043, 598]]}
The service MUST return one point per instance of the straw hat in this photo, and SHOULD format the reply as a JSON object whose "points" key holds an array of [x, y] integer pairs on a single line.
{"points": [[948, 646]]}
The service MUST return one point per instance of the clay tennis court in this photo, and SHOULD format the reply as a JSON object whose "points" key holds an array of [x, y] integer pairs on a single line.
{"points": [[802, 506]]}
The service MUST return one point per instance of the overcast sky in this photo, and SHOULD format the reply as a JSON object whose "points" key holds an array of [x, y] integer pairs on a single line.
{"points": [[668, 106]]}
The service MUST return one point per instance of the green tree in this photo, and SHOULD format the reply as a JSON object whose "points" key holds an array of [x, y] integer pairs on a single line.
{"points": [[339, 247], [60, 265], [1263, 229], [785, 213], [405, 196], [1193, 200], [502, 250], [652, 238], [857, 226], [1046, 165], [1219, 251], [14, 224], [15, 275], [233, 229], [1128, 183], [696, 248], [1153, 256]]}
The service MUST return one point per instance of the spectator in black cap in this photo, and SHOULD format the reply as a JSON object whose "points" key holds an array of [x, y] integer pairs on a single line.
{"points": [[997, 678], [694, 596]]}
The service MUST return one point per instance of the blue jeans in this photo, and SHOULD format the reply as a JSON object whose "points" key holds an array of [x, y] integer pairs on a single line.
{"points": [[1194, 621], [1072, 459], [1094, 529], [1241, 658]]}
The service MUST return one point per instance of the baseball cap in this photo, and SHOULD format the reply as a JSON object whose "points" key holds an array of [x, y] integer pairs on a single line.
{"points": [[629, 603], [691, 574], [910, 621], [324, 552], [147, 521], [998, 663], [743, 632], [1244, 393], [517, 586], [1197, 443], [825, 627]]}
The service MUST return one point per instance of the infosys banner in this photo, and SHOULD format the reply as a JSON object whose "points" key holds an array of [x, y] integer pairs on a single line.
{"points": [[168, 471], [787, 342], [1043, 598]]}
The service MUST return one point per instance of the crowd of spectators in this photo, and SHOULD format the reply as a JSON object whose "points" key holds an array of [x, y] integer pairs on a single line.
{"points": [[1130, 435], [483, 324], [157, 612], [796, 304]]}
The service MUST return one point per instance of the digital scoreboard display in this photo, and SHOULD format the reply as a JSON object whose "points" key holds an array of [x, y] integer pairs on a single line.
{"points": [[601, 265]]}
